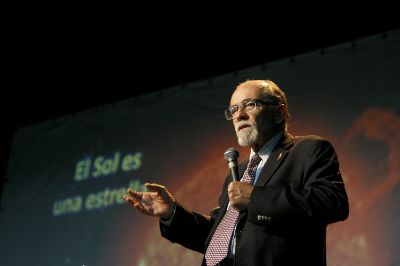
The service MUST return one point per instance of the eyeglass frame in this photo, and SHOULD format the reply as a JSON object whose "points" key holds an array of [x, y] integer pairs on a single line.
{"points": [[242, 105]]}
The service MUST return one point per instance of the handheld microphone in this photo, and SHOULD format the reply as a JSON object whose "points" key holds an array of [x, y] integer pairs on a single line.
{"points": [[231, 155]]}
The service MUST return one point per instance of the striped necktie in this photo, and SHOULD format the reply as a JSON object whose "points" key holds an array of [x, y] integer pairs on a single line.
{"points": [[219, 244]]}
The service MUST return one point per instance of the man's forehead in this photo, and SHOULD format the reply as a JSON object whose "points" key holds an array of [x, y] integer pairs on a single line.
{"points": [[248, 90]]}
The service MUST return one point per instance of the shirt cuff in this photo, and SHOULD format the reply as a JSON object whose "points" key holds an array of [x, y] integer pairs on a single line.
{"points": [[168, 221]]}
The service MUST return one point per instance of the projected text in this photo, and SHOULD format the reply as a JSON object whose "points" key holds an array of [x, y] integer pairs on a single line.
{"points": [[94, 168]]}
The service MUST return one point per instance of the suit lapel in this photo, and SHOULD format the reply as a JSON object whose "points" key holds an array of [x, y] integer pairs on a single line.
{"points": [[275, 159]]}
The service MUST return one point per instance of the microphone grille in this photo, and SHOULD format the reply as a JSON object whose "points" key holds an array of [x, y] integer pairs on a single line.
{"points": [[231, 154]]}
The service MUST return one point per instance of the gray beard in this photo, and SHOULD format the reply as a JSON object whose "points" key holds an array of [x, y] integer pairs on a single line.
{"points": [[247, 136]]}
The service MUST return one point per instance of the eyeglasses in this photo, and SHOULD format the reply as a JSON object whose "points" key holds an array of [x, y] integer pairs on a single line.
{"points": [[247, 105]]}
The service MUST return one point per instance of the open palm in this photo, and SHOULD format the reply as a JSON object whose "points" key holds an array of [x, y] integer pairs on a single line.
{"points": [[157, 202]]}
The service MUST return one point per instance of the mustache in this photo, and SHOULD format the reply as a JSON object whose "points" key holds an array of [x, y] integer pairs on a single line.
{"points": [[241, 124]]}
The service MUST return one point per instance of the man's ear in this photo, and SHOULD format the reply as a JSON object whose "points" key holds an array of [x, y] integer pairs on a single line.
{"points": [[280, 114]]}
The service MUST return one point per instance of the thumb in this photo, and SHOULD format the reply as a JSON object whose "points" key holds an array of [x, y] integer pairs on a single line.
{"points": [[155, 187]]}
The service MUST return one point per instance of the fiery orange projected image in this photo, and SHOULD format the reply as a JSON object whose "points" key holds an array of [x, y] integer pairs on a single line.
{"points": [[370, 164], [370, 159]]}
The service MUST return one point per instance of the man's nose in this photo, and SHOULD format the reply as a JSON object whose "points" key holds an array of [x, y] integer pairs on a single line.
{"points": [[242, 114]]}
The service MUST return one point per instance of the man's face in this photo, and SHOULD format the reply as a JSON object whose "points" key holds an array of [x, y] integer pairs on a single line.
{"points": [[253, 129]]}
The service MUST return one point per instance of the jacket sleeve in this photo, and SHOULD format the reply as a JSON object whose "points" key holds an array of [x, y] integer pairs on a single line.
{"points": [[191, 229], [314, 193], [188, 228]]}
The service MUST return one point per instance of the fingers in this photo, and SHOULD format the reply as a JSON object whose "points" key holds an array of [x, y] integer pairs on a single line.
{"points": [[135, 197], [155, 187], [234, 186], [152, 187], [149, 202], [131, 200], [137, 204], [239, 194], [135, 194], [139, 199]]}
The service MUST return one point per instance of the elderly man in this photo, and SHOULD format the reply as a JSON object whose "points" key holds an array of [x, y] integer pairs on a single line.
{"points": [[276, 215]]}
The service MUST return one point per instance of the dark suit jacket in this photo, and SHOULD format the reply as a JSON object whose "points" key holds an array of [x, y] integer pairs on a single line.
{"points": [[299, 191]]}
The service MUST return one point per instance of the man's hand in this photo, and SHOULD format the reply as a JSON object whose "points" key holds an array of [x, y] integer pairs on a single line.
{"points": [[239, 194], [158, 202]]}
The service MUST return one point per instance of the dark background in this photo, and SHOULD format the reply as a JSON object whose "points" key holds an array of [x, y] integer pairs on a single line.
{"points": [[62, 58]]}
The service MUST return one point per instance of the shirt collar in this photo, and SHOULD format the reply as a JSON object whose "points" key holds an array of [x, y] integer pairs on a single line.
{"points": [[267, 148]]}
